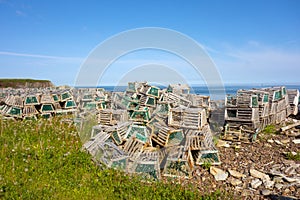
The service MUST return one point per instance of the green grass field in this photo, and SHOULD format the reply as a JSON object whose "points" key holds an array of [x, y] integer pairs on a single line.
{"points": [[43, 160]]}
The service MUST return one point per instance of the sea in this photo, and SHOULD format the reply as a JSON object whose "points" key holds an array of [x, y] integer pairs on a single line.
{"points": [[215, 92]]}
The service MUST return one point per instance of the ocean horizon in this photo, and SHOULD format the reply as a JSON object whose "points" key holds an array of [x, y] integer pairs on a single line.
{"points": [[203, 90]]}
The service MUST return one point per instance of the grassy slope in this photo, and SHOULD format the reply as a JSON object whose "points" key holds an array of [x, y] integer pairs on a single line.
{"points": [[17, 82], [42, 160]]}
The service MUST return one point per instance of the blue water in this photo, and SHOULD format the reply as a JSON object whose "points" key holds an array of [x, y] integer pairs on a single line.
{"points": [[203, 90]]}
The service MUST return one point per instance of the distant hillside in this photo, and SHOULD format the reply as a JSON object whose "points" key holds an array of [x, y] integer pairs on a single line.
{"points": [[25, 83]]}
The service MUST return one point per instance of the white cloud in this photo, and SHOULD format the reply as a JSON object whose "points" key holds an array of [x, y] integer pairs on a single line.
{"points": [[6, 53], [255, 62]]}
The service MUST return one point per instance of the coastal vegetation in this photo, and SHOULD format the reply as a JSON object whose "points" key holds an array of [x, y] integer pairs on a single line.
{"points": [[43, 159]]}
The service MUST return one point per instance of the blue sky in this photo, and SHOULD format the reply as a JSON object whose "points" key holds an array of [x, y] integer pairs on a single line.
{"points": [[249, 41]]}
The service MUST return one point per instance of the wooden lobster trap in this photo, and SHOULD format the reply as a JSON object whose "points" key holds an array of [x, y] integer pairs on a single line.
{"points": [[165, 136], [192, 118], [147, 164], [177, 165], [112, 117]]}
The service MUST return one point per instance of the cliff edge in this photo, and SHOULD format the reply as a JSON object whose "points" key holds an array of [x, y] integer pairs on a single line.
{"points": [[25, 83]]}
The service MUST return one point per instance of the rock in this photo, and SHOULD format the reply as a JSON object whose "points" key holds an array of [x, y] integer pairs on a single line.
{"points": [[296, 141], [219, 174], [236, 174], [279, 186], [256, 183], [268, 184], [290, 171], [258, 174], [286, 191], [289, 162], [246, 193], [290, 180], [270, 141], [222, 143], [295, 166], [266, 192], [276, 166], [285, 141], [292, 188], [267, 145], [235, 182], [278, 179], [278, 142]]}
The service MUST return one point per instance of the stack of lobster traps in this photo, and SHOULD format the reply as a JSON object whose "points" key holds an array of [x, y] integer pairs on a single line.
{"points": [[250, 111], [32, 103], [155, 132]]}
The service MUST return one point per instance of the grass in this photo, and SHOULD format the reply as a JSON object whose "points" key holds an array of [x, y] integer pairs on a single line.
{"points": [[291, 156], [18, 82], [206, 165], [269, 129], [22, 80], [43, 160]]}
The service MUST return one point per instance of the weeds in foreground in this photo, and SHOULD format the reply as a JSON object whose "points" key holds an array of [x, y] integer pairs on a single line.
{"points": [[42, 159], [291, 156], [206, 165], [270, 129]]}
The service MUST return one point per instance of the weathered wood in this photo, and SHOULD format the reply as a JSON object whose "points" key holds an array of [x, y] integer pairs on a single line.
{"points": [[289, 126]]}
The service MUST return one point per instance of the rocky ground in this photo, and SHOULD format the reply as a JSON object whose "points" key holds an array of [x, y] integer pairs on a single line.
{"points": [[269, 168]]}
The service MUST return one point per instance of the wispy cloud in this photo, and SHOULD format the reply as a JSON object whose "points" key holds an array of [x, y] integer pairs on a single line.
{"points": [[21, 13], [6, 53], [257, 62]]}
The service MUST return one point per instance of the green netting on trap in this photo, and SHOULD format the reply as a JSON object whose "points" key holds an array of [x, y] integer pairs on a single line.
{"points": [[140, 132], [15, 111], [47, 108], [116, 137], [70, 104], [88, 97], [97, 98], [2, 107], [31, 100], [141, 137], [132, 105], [154, 91], [90, 106], [33, 117], [283, 91], [150, 101], [65, 96], [103, 105], [46, 116], [131, 87], [254, 100], [278, 95], [208, 157], [119, 163], [175, 137], [106, 152], [169, 89], [141, 115], [147, 170], [125, 100], [55, 97], [2, 95], [266, 98], [176, 168]]}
